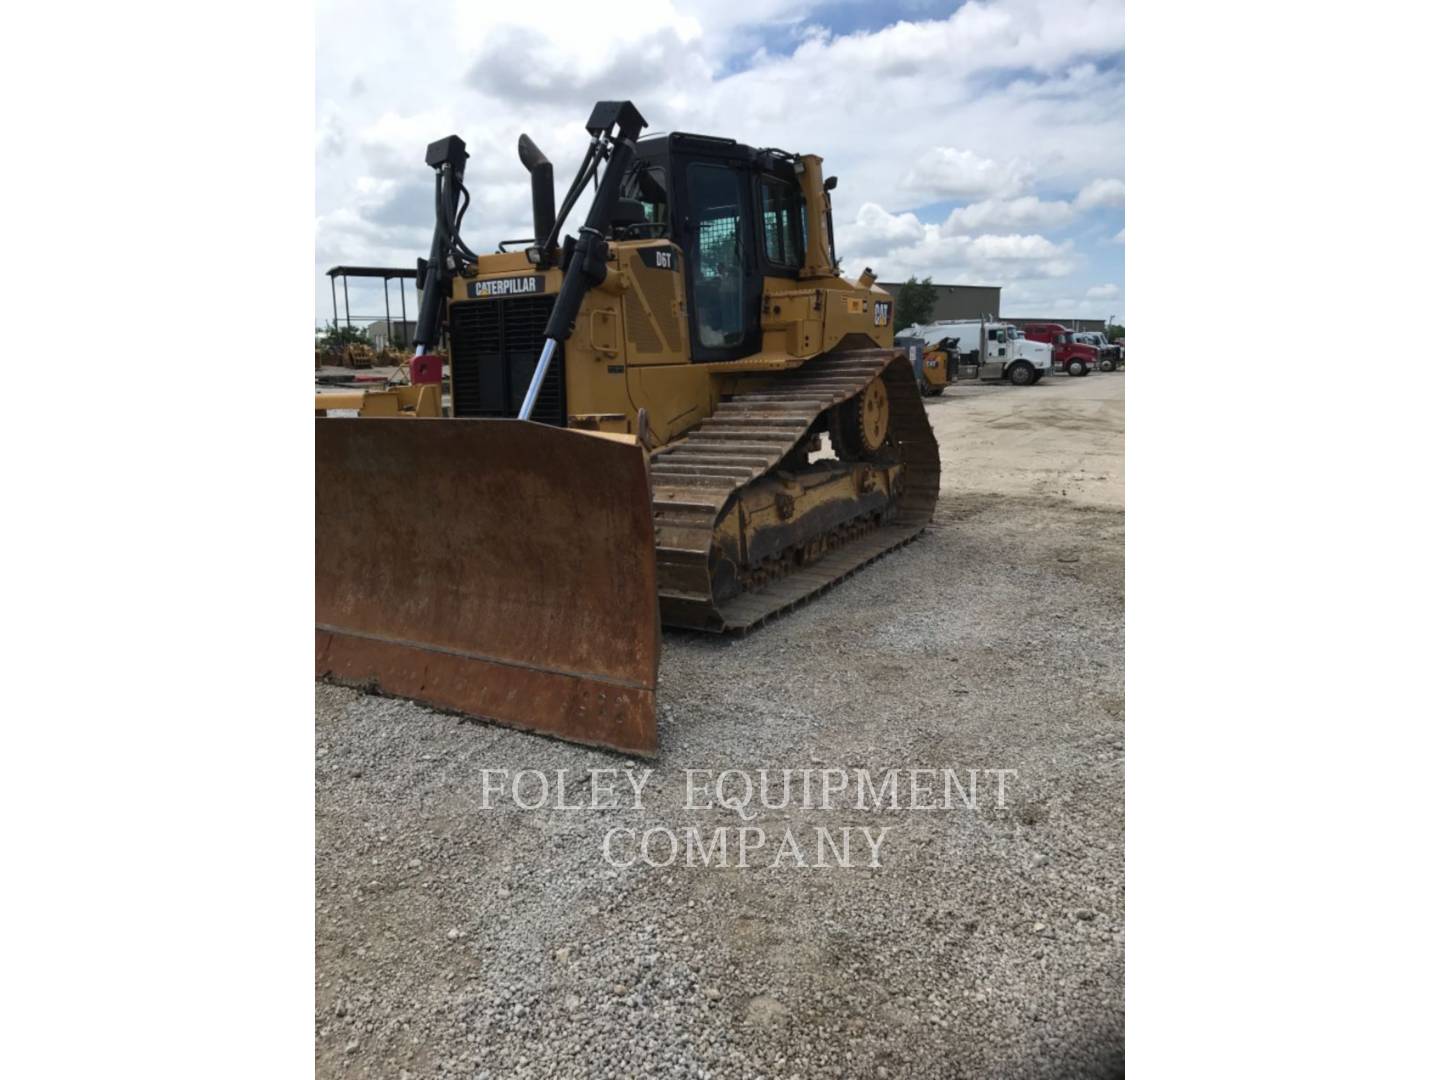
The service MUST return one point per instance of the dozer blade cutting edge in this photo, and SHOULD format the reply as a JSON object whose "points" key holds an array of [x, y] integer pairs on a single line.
{"points": [[499, 568]]}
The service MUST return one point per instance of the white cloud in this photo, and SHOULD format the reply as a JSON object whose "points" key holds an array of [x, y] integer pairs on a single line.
{"points": [[1014, 247], [1118, 238], [875, 229], [1001, 104], [1024, 212], [898, 245], [1102, 292], [590, 32], [944, 172], [1108, 192], [660, 63]]}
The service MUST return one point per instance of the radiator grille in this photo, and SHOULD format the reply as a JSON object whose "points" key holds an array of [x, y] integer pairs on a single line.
{"points": [[494, 345]]}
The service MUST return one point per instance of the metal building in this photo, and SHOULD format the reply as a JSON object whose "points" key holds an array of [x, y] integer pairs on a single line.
{"points": [[396, 333], [957, 301], [983, 302]]}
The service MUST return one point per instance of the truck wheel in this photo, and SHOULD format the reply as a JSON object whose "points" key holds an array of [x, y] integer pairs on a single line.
{"points": [[1107, 365], [1076, 368], [1021, 374]]}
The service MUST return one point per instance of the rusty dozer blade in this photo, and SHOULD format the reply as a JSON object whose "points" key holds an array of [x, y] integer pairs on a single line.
{"points": [[499, 568]]}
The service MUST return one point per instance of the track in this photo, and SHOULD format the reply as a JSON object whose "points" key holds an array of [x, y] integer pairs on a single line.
{"points": [[695, 480]]}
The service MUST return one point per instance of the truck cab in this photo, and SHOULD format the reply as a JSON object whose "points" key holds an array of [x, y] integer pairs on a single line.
{"points": [[1074, 356], [1040, 355], [1110, 358]]}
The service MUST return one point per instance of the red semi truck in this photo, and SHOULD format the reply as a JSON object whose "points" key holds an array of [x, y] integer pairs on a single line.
{"points": [[1067, 353]]}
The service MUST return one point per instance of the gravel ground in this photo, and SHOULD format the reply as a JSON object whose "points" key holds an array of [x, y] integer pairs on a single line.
{"points": [[452, 940]]}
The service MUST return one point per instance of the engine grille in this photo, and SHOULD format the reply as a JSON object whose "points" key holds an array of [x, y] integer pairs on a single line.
{"points": [[494, 345]]}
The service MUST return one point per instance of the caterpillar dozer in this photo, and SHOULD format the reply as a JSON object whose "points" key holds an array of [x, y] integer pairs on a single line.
{"points": [[683, 414]]}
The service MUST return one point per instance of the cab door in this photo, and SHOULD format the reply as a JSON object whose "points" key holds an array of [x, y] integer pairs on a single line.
{"points": [[994, 352], [715, 225]]}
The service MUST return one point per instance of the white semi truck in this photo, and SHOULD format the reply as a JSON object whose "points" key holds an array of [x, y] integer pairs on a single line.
{"points": [[957, 349]]}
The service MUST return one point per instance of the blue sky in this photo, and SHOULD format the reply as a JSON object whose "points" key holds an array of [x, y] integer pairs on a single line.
{"points": [[976, 143]]}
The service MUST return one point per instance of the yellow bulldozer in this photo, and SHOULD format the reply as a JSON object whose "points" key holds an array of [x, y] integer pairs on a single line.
{"points": [[683, 414]]}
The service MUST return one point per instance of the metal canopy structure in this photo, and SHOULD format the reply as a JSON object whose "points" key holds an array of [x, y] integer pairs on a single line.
{"points": [[385, 274]]}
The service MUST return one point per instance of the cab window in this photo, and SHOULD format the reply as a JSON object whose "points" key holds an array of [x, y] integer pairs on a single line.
{"points": [[646, 185], [718, 254], [782, 220]]}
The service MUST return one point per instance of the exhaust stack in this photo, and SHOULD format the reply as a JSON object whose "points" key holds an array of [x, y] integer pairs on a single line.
{"points": [[542, 188]]}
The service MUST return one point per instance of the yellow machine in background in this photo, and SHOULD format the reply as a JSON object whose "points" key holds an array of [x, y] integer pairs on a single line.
{"points": [[685, 402], [415, 391], [409, 401], [938, 369]]}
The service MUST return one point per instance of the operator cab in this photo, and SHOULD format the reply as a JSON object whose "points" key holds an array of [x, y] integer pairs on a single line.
{"points": [[737, 215]]}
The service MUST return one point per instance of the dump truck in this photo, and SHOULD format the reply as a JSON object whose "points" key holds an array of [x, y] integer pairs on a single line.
{"points": [[682, 414]]}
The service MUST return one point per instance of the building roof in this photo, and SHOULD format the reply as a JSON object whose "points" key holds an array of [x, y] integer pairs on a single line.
{"points": [[936, 284], [371, 272], [1071, 322]]}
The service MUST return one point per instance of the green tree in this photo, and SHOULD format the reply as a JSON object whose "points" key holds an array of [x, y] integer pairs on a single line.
{"points": [[332, 336], [1115, 330], [915, 303]]}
